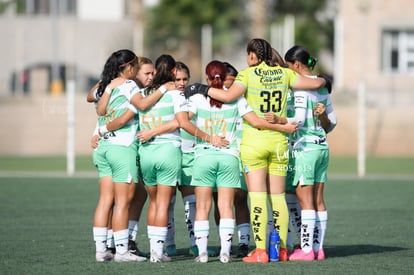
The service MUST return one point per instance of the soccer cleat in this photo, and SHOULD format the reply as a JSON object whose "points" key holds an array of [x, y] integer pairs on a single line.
{"points": [[203, 258], [291, 249], [105, 256], [193, 251], [128, 257], [225, 258], [257, 256], [154, 258], [111, 249], [300, 255], [242, 250], [320, 255], [132, 246], [283, 255], [171, 250]]}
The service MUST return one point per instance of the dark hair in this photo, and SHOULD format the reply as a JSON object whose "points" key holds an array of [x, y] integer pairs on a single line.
{"points": [[301, 54], [180, 66], [114, 65], [230, 69], [216, 72], [277, 58], [164, 65], [262, 49]]}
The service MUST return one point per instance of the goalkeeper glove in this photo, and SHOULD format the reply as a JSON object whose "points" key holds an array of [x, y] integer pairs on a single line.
{"points": [[196, 88], [328, 80]]}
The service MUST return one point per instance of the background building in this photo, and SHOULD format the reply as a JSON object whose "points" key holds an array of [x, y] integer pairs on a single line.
{"points": [[59, 40], [374, 48], [374, 66]]}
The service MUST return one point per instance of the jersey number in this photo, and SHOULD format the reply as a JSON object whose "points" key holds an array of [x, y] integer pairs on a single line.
{"points": [[150, 122], [220, 125], [272, 101]]}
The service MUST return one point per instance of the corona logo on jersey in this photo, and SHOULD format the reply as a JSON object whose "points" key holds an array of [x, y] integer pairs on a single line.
{"points": [[271, 76]]}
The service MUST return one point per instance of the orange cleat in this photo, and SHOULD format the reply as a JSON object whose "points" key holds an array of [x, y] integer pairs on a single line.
{"points": [[283, 255], [257, 256]]}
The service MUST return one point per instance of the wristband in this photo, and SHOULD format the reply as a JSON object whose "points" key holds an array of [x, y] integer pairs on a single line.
{"points": [[162, 89], [108, 90], [103, 130]]}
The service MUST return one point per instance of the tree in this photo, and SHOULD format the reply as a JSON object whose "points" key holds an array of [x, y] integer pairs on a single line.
{"points": [[19, 8], [174, 26], [314, 28]]}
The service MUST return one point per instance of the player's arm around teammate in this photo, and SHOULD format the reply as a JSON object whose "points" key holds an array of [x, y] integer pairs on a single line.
{"points": [[312, 158], [115, 159]]}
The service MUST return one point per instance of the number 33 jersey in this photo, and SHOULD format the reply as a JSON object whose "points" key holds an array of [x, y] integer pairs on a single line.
{"points": [[267, 90]]}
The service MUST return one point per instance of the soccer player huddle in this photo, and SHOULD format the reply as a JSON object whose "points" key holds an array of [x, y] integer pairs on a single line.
{"points": [[257, 136]]}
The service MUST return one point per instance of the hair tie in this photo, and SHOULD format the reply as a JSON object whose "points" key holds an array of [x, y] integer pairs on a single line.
{"points": [[312, 62], [217, 76], [130, 61]]}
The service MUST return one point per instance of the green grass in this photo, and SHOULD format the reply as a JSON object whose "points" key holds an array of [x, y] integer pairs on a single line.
{"points": [[337, 165], [46, 228], [44, 163]]}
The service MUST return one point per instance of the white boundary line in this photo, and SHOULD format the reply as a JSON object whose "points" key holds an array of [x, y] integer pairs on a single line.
{"points": [[92, 174]]}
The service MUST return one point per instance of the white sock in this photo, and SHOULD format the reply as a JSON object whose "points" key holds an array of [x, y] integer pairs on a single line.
{"points": [[243, 231], [189, 214], [308, 227], [121, 241], [171, 226], [157, 236], [132, 229], [99, 236], [320, 229], [110, 239], [294, 214], [201, 232], [226, 235]]}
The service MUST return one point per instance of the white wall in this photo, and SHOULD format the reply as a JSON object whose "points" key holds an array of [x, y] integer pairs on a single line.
{"points": [[107, 10]]}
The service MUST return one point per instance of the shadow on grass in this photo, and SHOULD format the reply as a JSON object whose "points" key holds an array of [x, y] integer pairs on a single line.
{"points": [[183, 254], [360, 249], [330, 251]]}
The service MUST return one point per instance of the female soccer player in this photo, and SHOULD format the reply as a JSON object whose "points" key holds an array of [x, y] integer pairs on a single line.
{"points": [[160, 157], [115, 159], [111, 124], [264, 153], [219, 167], [315, 117], [182, 78]]}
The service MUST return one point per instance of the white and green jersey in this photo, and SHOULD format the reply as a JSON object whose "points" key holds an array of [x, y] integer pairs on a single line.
{"points": [[162, 112], [224, 121], [118, 103], [188, 141], [310, 135]]}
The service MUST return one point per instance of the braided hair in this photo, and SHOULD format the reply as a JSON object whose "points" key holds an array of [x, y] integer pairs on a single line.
{"points": [[262, 49]]}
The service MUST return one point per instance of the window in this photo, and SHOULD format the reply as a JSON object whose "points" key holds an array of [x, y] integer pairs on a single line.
{"points": [[398, 51], [64, 7]]}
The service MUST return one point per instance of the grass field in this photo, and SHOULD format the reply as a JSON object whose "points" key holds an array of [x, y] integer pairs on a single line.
{"points": [[46, 228], [337, 165]]}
